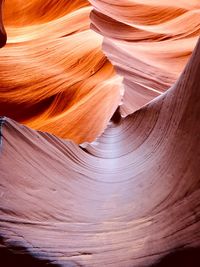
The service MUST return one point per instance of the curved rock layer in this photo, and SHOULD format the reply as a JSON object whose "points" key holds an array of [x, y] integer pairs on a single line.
{"points": [[54, 76], [148, 41], [126, 200]]}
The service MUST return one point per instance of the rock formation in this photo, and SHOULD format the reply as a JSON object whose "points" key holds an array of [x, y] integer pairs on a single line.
{"points": [[131, 197], [128, 199], [148, 41], [53, 73]]}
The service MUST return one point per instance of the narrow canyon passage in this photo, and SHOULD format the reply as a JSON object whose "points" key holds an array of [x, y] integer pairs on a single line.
{"points": [[128, 199], [100, 133]]}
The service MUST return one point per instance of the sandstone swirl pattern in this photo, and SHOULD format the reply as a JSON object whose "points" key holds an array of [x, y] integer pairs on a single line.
{"points": [[53, 72], [148, 41], [131, 197], [127, 200]]}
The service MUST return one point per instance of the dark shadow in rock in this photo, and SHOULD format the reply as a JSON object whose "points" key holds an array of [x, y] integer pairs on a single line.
{"points": [[188, 257], [9, 258], [17, 256], [116, 118]]}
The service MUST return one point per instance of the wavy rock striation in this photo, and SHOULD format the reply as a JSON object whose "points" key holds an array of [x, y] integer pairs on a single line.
{"points": [[127, 199], [148, 41], [54, 76]]}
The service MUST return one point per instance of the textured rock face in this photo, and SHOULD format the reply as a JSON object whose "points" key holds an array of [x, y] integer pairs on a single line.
{"points": [[64, 76], [131, 197], [53, 74], [148, 41], [127, 200]]}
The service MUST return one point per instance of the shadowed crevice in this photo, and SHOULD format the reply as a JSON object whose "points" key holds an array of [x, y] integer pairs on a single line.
{"points": [[17, 256], [3, 35], [188, 257]]}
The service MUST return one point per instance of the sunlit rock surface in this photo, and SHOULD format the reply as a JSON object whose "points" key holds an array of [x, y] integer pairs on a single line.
{"points": [[84, 179], [53, 75], [148, 41], [129, 199]]}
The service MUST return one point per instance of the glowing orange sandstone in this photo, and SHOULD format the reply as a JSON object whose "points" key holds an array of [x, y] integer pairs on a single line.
{"points": [[54, 76], [2, 30]]}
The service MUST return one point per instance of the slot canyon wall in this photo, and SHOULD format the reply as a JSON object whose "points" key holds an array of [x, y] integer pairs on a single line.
{"points": [[100, 153], [53, 72], [148, 42]]}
